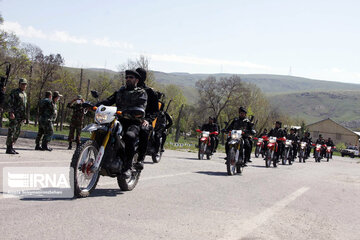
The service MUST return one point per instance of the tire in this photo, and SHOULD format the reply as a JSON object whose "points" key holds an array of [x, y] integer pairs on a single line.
{"points": [[269, 156], [202, 149], [156, 157], [301, 156], [83, 168], [286, 156], [327, 156], [342, 155], [257, 151], [240, 166], [231, 162], [208, 156], [352, 156], [274, 161], [129, 184]]}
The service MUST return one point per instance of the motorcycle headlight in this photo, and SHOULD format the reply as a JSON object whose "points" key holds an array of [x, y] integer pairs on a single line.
{"points": [[206, 134], [100, 117], [260, 140]]}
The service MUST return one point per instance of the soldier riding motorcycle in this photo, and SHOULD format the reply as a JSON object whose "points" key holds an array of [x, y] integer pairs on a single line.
{"points": [[238, 145], [208, 139], [275, 146], [112, 148]]}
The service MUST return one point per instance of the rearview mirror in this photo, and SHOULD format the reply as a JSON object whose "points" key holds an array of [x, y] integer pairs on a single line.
{"points": [[94, 94]]}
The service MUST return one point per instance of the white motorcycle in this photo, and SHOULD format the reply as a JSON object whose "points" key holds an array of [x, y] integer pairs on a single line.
{"points": [[103, 154]]}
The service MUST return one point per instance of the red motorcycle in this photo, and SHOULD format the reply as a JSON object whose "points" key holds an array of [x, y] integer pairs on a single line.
{"points": [[272, 149], [205, 144], [260, 146], [329, 151], [320, 151]]}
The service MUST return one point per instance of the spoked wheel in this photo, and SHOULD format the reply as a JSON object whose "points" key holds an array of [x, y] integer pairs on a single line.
{"points": [[202, 150], [130, 183], [327, 156], [231, 162], [269, 156], [285, 157], [257, 151], [240, 165], [85, 177], [156, 157]]}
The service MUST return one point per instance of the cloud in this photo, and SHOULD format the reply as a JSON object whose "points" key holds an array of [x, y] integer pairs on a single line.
{"points": [[29, 32], [106, 42], [61, 36], [208, 61]]}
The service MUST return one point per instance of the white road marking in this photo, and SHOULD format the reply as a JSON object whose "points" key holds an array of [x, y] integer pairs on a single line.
{"points": [[149, 178], [23, 162], [242, 229]]}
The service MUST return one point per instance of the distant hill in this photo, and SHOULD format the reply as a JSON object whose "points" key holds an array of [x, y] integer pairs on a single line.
{"points": [[341, 106], [270, 84], [309, 99]]}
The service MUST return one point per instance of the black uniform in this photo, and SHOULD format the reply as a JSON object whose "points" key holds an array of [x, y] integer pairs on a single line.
{"points": [[330, 143], [132, 102], [211, 127], [163, 122], [151, 112], [278, 133], [247, 127]]}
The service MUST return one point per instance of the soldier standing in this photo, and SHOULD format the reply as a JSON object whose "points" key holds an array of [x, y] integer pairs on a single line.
{"points": [[46, 109], [76, 120], [17, 114]]}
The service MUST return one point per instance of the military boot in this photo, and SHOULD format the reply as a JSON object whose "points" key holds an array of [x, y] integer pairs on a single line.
{"points": [[37, 147], [9, 150], [70, 146], [45, 147], [14, 150]]}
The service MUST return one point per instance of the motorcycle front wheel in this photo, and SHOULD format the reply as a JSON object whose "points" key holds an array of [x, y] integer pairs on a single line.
{"points": [[202, 149], [257, 151], [85, 178], [130, 183], [231, 162], [269, 156]]}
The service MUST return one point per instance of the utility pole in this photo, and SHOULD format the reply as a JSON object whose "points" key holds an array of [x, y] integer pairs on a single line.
{"points": [[88, 89], [177, 134], [81, 79]]}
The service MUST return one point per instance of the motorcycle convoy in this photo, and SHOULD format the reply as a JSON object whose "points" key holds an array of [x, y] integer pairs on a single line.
{"points": [[105, 153]]}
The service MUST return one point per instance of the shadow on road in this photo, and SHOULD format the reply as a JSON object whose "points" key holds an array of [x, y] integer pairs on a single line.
{"points": [[210, 173], [258, 166]]}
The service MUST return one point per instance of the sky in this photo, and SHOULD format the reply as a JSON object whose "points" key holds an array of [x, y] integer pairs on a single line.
{"points": [[317, 39]]}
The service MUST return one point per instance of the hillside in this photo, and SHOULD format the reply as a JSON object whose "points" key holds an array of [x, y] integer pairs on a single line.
{"points": [[341, 106], [270, 84]]}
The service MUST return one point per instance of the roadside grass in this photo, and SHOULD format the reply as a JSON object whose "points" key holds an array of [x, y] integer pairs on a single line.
{"points": [[31, 127]]}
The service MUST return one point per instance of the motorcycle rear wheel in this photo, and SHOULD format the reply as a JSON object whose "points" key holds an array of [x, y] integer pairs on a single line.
{"points": [[129, 184], [82, 161], [156, 157]]}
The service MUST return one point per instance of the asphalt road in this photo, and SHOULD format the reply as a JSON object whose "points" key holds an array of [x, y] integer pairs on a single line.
{"points": [[184, 198]]}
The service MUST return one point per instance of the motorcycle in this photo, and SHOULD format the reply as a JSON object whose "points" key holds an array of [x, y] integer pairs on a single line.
{"points": [[98, 156], [328, 154], [205, 144], [288, 155], [319, 149], [154, 147], [272, 149], [259, 149], [235, 155], [302, 151]]}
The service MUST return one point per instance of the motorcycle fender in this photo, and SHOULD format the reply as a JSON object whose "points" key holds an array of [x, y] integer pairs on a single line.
{"points": [[258, 144], [93, 127], [270, 145], [203, 139]]}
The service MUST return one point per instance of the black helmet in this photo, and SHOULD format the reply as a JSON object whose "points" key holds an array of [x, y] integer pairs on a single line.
{"points": [[242, 109]]}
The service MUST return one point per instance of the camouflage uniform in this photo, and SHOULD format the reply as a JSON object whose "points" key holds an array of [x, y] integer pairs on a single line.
{"points": [[47, 112], [76, 121], [17, 105]]}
